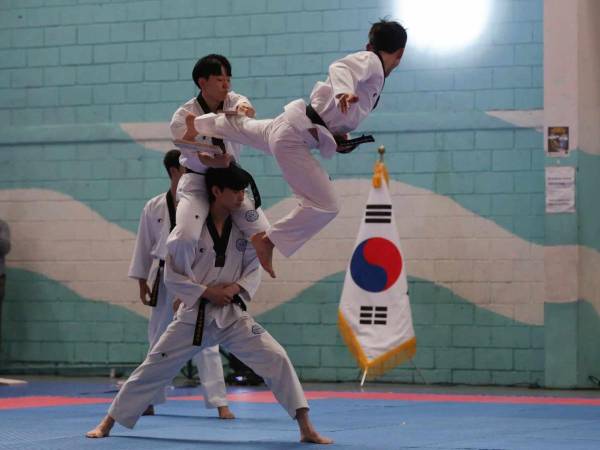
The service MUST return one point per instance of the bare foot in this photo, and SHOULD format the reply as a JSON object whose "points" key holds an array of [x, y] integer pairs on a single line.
{"points": [[315, 438], [149, 411], [225, 413], [308, 433], [264, 250], [103, 428]]}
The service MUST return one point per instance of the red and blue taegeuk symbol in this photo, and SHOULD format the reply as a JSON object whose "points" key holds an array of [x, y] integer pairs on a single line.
{"points": [[376, 264]]}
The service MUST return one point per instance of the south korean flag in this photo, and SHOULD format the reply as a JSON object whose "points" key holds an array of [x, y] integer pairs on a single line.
{"points": [[374, 314]]}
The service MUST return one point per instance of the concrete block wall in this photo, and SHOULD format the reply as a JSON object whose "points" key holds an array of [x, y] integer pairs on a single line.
{"points": [[86, 88]]}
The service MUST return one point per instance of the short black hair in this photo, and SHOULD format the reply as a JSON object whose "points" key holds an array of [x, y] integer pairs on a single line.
{"points": [[208, 65], [233, 177], [171, 159], [387, 36]]}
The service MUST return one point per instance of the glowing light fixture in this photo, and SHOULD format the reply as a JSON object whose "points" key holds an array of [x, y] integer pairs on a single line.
{"points": [[443, 24]]}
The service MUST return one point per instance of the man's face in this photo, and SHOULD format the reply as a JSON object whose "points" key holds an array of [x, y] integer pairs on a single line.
{"points": [[216, 87], [229, 198], [391, 60]]}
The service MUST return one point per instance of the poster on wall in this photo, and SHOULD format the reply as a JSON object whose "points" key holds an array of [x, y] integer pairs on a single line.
{"points": [[560, 190], [558, 141]]}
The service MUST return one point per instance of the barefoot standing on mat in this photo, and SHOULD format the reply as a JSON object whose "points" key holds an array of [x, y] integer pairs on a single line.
{"points": [[224, 275]]}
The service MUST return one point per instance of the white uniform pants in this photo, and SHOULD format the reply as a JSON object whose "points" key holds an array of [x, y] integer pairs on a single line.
{"points": [[291, 148], [208, 361], [192, 211], [245, 338]]}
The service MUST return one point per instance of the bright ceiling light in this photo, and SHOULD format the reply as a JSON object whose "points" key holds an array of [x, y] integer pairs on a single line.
{"points": [[443, 24]]}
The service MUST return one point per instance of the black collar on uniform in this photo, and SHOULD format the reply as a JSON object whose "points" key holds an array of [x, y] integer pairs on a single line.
{"points": [[171, 208], [205, 108], [382, 68], [219, 242]]}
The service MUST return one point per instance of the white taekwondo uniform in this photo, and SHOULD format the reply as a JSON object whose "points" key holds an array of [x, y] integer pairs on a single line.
{"points": [[193, 205], [150, 243], [228, 326], [288, 138]]}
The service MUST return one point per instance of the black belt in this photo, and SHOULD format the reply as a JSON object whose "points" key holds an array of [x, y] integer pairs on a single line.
{"points": [[344, 145], [156, 284], [199, 327], [188, 170], [314, 116], [161, 263]]}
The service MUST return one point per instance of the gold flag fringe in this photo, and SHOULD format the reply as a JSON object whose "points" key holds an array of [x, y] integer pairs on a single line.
{"points": [[380, 173], [381, 364]]}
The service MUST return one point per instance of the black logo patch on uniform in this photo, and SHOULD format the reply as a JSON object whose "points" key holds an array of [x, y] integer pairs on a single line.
{"points": [[159, 220], [251, 215], [241, 244], [257, 329], [201, 250]]}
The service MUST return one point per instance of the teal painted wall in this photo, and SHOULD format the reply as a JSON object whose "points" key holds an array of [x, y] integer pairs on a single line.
{"points": [[46, 325], [457, 341], [72, 72]]}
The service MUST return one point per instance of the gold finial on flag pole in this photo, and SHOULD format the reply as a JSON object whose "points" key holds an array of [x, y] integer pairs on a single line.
{"points": [[379, 171]]}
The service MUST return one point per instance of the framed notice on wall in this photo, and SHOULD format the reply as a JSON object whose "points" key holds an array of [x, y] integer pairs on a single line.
{"points": [[558, 141]]}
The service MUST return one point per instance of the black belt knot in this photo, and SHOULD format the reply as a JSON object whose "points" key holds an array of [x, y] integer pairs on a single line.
{"points": [[199, 328], [344, 145]]}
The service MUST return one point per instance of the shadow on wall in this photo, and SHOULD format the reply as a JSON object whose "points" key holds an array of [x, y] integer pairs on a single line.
{"points": [[45, 324], [588, 186], [589, 345], [572, 345]]}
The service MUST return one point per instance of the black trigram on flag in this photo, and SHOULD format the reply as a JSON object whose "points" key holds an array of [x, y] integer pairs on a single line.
{"points": [[373, 315], [378, 214]]}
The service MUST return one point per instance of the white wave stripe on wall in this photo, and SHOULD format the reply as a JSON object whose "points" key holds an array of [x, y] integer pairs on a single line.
{"points": [[65, 240], [531, 118], [151, 135], [443, 243]]}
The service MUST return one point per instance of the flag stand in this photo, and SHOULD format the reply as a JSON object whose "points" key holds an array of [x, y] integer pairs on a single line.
{"points": [[362, 381]]}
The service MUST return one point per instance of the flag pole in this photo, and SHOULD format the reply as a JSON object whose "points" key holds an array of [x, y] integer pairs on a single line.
{"points": [[362, 381], [378, 175], [418, 371]]}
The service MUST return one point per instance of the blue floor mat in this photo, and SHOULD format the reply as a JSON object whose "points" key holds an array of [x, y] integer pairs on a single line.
{"points": [[361, 424]]}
